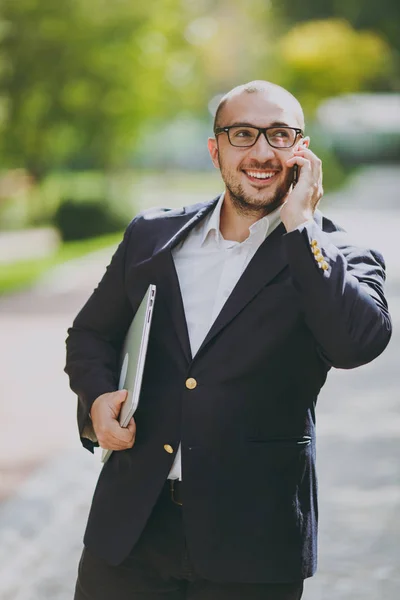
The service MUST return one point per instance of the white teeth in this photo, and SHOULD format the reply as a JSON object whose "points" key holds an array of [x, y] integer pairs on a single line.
{"points": [[259, 175]]}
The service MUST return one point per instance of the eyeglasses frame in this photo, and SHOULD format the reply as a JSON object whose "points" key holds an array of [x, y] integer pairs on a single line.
{"points": [[219, 130]]}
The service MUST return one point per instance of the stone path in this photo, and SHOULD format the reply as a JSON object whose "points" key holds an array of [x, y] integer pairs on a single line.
{"points": [[41, 529], [37, 410], [44, 507]]}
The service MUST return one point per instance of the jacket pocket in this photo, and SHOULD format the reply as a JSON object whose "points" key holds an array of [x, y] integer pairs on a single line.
{"points": [[301, 441]]}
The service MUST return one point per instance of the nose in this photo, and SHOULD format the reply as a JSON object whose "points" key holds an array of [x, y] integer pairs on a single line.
{"points": [[261, 150]]}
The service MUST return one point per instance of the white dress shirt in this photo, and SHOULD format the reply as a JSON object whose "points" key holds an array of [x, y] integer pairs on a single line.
{"points": [[208, 268]]}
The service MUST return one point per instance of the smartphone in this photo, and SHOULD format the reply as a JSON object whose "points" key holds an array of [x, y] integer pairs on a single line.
{"points": [[295, 175], [296, 167]]}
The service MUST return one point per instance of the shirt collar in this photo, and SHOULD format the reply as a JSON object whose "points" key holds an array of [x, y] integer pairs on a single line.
{"points": [[260, 228], [212, 224]]}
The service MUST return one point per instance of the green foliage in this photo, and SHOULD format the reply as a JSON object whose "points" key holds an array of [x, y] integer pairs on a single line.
{"points": [[79, 77], [22, 274], [81, 186], [319, 59], [78, 220], [382, 17]]}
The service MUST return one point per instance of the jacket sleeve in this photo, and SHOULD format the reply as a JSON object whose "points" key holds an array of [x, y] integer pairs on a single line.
{"points": [[95, 339], [341, 288]]}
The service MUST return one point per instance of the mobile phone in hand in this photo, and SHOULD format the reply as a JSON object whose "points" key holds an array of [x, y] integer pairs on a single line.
{"points": [[295, 175], [296, 169]]}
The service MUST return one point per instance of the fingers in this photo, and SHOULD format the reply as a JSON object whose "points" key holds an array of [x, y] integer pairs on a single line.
{"points": [[299, 160], [310, 175], [132, 427], [115, 400], [111, 401], [105, 412], [114, 437], [306, 160], [309, 154], [119, 397]]}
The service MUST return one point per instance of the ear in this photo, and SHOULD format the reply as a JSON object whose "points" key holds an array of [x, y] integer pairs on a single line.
{"points": [[305, 141], [213, 150]]}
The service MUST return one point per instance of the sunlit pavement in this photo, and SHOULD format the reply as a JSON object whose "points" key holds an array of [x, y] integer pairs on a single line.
{"points": [[46, 480]]}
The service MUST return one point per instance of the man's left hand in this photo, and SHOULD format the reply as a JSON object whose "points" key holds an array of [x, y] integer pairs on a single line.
{"points": [[303, 199]]}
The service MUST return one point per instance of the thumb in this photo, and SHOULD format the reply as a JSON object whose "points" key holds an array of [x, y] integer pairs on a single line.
{"points": [[119, 397], [132, 427]]}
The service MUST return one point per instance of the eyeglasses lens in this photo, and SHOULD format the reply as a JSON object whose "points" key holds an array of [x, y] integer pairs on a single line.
{"points": [[278, 137]]}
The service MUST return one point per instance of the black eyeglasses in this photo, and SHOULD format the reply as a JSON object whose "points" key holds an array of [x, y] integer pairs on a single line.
{"points": [[242, 136]]}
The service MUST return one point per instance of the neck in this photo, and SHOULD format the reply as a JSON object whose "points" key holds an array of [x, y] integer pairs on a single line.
{"points": [[235, 224]]}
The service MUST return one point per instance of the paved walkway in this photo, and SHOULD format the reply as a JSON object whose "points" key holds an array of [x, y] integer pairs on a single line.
{"points": [[47, 480], [37, 410]]}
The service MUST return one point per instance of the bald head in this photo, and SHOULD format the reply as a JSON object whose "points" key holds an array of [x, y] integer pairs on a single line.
{"points": [[270, 91]]}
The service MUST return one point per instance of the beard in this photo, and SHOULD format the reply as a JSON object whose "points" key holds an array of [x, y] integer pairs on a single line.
{"points": [[255, 205]]}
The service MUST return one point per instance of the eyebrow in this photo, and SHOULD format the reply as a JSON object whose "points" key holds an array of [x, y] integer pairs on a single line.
{"points": [[245, 124]]}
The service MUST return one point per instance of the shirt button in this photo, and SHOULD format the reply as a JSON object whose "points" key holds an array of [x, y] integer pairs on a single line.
{"points": [[191, 383], [168, 448]]}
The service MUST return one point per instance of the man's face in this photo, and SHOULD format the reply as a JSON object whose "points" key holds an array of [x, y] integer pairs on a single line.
{"points": [[242, 168]]}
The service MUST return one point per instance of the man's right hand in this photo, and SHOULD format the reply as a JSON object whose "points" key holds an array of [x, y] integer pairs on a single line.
{"points": [[104, 414]]}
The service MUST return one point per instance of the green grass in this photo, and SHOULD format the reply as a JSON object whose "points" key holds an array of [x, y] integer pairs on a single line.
{"points": [[23, 274], [126, 192], [129, 191]]}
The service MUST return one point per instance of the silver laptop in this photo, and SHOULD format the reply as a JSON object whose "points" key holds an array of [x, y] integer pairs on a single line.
{"points": [[133, 359]]}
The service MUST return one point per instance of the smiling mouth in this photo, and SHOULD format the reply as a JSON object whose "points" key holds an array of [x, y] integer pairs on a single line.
{"points": [[261, 177]]}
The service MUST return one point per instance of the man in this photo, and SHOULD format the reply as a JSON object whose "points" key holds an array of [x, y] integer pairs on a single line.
{"points": [[212, 493]]}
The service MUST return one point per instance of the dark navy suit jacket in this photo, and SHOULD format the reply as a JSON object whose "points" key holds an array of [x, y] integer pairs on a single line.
{"points": [[248, 428]]}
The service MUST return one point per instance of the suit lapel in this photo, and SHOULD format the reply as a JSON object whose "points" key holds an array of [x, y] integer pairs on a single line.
{"points": [[192, 219], [267, 262], [166, 277]]}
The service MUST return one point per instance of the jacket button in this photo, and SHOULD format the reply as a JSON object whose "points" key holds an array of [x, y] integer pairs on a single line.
{"points": [[168, 448], [314, 243], [191, 383]]}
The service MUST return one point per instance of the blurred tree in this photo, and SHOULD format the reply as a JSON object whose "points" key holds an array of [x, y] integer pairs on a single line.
{"points": [[382, 17], [78, 77], [231, 39], [318, 59], [240, 40]]}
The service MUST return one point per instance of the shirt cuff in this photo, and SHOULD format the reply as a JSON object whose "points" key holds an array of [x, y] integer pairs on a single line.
{"points": [[88, 432], [302, 226]]}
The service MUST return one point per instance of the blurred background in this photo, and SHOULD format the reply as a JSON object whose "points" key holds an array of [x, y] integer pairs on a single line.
{"points": [[105, 109]]}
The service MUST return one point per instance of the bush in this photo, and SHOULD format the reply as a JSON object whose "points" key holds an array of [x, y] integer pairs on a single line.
{"points": [[78, 220]]}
